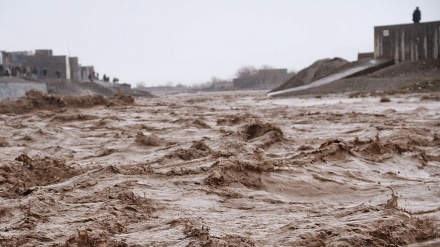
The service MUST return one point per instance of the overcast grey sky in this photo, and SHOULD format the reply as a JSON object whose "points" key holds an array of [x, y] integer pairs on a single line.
{"points": [[190, 41]]}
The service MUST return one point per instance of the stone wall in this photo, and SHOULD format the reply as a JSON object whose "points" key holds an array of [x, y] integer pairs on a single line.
{"points": [[14, 90], [407, 42]]}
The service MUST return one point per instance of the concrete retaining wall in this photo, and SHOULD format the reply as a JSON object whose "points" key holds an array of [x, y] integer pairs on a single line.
{"points": [[408, 42], [14, 90]]}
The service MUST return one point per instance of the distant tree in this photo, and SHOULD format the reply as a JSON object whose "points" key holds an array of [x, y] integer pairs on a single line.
{"points": [[266, 67], [215, 80], [140, 84], [246, 71], [180, 85]]}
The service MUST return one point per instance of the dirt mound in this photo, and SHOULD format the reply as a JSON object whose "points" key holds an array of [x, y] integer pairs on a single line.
{"points": [[422, 86], [20, 180], [35, 100], [317, 70], [423, 68], [404, 77]]}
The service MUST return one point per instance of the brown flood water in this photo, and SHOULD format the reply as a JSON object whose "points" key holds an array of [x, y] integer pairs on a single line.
{"points": [[223, 169]]}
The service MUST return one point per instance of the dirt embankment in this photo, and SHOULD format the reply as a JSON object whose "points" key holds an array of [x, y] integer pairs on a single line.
{"points": [[397, 77], [316, 71], [35, 100]]}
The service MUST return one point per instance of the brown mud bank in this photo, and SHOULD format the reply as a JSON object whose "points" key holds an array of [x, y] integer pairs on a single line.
{"points": [[35, 100], [221, 169]]}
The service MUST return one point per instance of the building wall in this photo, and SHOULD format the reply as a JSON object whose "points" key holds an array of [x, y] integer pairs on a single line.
{"points": [[43, 53], [75, 69], [407, 42], [14, 58], [85, 72], [52, 64]]}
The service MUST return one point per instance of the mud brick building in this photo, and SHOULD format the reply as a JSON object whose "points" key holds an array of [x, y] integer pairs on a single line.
{"points": [[407, 42], [75, 69], [10, 59], [44, 60], [86, 71], [41, 60]]}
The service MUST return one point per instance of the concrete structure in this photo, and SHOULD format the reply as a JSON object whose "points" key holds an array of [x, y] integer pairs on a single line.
{"points": [[43, 53], [75, 69], [51, 64], [362, 68], [14, 58], [44, 60], [407, 42], [264, 78], [364, 55], [86, 71], [14, 90]]}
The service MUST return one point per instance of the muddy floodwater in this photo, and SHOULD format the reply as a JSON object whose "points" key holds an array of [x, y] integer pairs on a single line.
{"points": [[223, 169]]}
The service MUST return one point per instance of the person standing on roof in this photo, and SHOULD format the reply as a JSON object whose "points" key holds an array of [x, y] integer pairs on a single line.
{"points": [[417, 15]]}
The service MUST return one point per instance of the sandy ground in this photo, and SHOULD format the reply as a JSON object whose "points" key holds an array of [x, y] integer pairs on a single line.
{"points": [[223, 169]]}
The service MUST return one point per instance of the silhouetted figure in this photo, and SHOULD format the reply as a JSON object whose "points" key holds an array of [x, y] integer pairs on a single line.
{"points": [[58, 74], [417, 15], [1, 70], [34, 72], [14, 71], [106, 78], [44, 72]]}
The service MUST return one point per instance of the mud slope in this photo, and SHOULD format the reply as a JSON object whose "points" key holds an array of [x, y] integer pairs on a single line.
{"points": [[222, 169], [395, 77], [316, 71]]}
